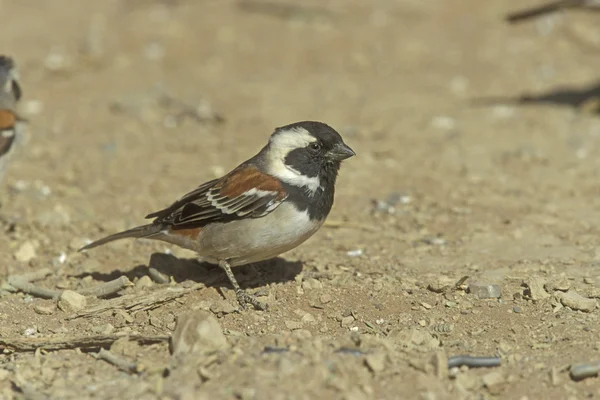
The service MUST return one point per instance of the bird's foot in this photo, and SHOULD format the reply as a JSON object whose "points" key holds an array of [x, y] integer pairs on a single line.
{"points": [[244, 299]]}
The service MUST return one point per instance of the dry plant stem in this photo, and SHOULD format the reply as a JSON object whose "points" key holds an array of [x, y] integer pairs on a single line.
{"points": [[135, 302], [474, 362], [121, 363], [106, 289], [585, 370], [37, 291], [73, 342], [158, 276], [23, 283]]}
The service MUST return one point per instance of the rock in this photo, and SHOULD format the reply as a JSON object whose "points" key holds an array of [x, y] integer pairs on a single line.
{"points": [[4, 374], [144, 283], [440, 364], [311, 283], [44, 310], [197, 332], [376, 362], [105, 329], [308, 318], [70, 301], [536, 289], [347, 321], [222, 307], [494, 381], [440, 285], [576, 301], [26, 252], [325, 298], [293, 325], [562, 284], [485, 290]]}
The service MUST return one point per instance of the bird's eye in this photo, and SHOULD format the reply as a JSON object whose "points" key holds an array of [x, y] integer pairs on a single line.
{"points": [[315, 146]]}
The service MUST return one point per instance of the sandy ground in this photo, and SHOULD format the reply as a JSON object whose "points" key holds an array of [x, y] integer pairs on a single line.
{"points": [[133, 103]]}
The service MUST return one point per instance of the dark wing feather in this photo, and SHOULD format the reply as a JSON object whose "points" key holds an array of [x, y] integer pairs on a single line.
{"points": [[244, 193]]}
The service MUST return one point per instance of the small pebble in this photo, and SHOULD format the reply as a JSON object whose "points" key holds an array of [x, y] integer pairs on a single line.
{"points": [[222, 307], [347, 321], [325, 298], [29, 332], [355, 253], [144, 282], [26, 252], [197, 332], [376, 362], [517, 309], [561, 284], [536, 289], [293, 325], [105, 329], [70, 301], [440, 364], [44, 310], [485, 290], [576, 301]]}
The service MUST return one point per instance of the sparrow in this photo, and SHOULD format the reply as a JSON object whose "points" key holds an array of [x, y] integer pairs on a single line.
{"points": [[266, 206], [10, 122], [543, 9]]}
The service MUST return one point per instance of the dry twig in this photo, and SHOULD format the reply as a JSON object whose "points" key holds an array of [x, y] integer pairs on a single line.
{"points": [[23, 283], [73, 342], [106, 289], [158, 276], [135, 302], [121, 363]]}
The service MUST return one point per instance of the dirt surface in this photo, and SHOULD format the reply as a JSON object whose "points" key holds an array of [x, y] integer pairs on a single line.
{"points": [[133, 103]]}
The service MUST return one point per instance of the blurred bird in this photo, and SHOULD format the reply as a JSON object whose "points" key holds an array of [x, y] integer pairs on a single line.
{"points": [[10, 123], [534, 12], [266, 206]]}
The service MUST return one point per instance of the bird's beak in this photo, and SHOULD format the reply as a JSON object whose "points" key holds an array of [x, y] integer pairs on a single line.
{"points": [[341, 152]]}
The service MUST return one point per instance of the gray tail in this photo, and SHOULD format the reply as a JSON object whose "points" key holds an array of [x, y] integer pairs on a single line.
{"points": [[144, 231]]}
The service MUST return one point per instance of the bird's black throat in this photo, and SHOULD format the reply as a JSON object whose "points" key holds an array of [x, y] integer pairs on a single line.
{"points": [[317, 204]]}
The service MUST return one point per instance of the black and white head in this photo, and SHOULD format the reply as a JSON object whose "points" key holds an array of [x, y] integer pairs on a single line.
{"points": [[306, 154]]}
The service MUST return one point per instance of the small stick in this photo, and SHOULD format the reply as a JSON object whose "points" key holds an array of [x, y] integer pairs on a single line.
{"points": [[106, 289], [584, 370], [462, 280], [158, 276], [121, 363], [23, 283], [27, 287], [135, 302], [73, 342], [473, 362]]}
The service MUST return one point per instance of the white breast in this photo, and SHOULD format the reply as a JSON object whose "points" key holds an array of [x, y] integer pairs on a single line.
{"points": [[257, 239]]}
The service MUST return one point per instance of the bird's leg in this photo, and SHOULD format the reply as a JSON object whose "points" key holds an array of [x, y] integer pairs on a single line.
{"points": [[243, 297]]}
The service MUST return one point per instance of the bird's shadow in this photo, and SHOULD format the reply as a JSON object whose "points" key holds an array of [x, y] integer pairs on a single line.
{"points": [[276, 270], [587, 97]]}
